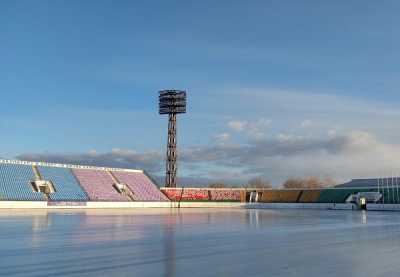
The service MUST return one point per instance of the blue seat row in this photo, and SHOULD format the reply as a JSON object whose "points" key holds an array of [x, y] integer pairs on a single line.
{"points": [[66, 186], [15, 183]]}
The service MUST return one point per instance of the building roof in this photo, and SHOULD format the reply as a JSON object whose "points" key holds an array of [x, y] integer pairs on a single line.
{"points": [[370, 182]]}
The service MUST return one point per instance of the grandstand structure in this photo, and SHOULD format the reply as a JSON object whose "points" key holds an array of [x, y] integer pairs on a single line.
{"points": [[25, 184], [52, 185], [38, 181]]}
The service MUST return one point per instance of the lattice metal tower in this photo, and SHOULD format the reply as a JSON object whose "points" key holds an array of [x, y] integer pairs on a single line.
{"points": [[172, 102]]}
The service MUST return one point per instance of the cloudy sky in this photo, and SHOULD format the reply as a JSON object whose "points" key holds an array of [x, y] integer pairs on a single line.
{"points": [[275, 88]]}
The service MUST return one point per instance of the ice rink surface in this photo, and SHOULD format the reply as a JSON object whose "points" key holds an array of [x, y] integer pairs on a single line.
{"points": [[199, 242]]}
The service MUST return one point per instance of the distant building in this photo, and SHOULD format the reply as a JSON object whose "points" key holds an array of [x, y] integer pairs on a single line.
{"points": [[371, 183]]}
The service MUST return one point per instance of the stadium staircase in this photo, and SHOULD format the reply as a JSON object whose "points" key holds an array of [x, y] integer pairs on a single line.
{"points": [[38, 177], [126, 192], [142, 187]]}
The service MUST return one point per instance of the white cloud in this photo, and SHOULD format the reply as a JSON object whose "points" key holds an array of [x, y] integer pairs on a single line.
{"points": [[223, 137], [237, 125], [305, 123], [148, 160], [350, 138], [341, 156], [319, 109], [255, 130], [332, 132]]}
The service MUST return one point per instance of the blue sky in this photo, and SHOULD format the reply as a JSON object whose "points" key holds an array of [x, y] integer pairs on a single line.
{"points": [[79, 82]]}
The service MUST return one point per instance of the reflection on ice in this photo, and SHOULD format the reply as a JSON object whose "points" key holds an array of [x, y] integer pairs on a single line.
{"points": [[198, 242]]}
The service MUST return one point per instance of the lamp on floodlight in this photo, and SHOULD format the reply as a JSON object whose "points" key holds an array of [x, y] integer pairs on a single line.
{"points": [[172, 102]]}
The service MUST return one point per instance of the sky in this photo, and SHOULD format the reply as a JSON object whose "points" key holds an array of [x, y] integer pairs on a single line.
{"points": [[276, 89]]}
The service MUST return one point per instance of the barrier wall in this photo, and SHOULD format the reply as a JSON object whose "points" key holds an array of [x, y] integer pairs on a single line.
{"points": [[271, 196], [126, 205], [204, 194], [315, 206], [383, 207], [186, 194], [334, 195], [280, 196], [309, 196], [112, 205], [225, 195], [330, 195]]}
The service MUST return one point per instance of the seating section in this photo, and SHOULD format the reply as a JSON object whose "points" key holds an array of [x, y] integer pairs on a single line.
{"points": [[142, 187], [15, 183], [66, 186], [224, 195], [187, 194], [98, 185], [309, 196]]}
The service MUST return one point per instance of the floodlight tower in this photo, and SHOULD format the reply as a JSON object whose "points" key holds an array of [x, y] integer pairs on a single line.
{"points": [[172, 102]]}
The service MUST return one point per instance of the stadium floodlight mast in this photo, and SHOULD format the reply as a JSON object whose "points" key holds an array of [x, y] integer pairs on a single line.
{"points": [[172, 102]]}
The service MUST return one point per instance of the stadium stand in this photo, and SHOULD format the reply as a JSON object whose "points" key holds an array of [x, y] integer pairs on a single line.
{"points": [[224, 195], [98, 184], [15, 183], [309, 196], [38, 181], [66, 186], [142, 187]]}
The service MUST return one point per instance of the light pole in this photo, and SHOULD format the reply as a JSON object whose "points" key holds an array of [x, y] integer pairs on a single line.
{"points": [[172, 102]]}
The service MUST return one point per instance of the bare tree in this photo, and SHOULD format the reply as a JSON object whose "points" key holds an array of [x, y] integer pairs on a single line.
{"points": [[217, 185], [313, 182], [329, 182], [259, 183], [294, 183], [310, 182]]}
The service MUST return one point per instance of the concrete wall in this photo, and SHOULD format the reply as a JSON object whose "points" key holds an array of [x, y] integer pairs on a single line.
{"points": [[316, 206], [111, 205], [383, 207], [127, 205]]}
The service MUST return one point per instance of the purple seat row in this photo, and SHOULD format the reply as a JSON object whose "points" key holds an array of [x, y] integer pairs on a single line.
{"points": [[98, 185]]}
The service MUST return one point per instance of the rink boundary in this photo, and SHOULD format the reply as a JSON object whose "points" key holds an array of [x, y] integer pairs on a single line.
{"points": [[128, 205]]}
